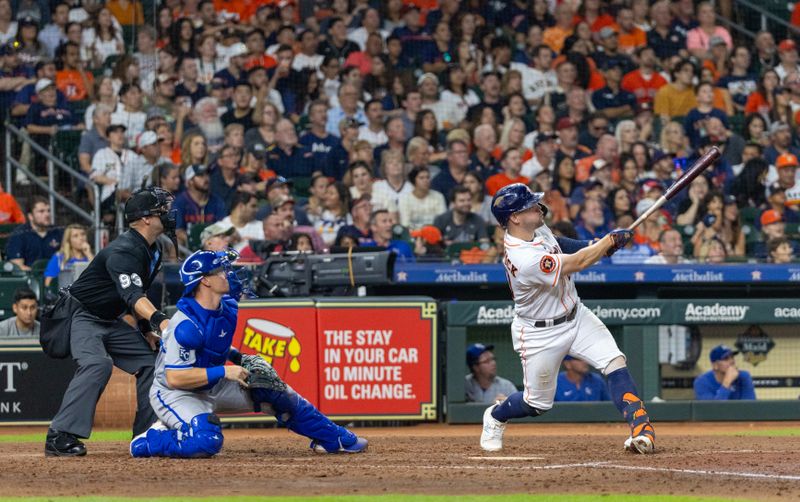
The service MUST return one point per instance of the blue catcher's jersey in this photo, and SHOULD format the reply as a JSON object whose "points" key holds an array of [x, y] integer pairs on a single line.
{"points": [[196, 337]]}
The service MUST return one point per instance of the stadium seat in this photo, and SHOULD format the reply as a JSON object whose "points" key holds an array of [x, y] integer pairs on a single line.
{"points": [[748, 215], [9, 283], [792, 230], [468, 253], [5, 232], [65, 147], [300, 187]]}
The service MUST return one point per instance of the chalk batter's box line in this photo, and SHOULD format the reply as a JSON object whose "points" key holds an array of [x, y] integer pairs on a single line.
{"points": [[21, 349]]}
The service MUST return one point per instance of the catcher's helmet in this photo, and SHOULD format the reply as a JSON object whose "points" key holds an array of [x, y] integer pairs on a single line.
{"points": [[512, 199], [201, 263]]}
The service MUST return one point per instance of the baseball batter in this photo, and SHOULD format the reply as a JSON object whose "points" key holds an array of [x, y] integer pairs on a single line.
{"points": [[192, 381], [550, 321]]}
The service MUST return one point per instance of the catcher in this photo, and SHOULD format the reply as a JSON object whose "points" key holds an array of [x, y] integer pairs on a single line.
{"points": [[192, 381]]}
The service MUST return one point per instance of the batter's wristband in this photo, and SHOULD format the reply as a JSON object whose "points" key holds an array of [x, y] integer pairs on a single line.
{"points": [[215, 374], [157, 318]]}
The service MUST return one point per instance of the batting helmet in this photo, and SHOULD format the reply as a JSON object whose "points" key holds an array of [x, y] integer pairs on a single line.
{"points": [[512, 199], [202, 263]]}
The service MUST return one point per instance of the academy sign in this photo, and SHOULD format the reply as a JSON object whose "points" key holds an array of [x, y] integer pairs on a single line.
{"points": [[715, 313]]}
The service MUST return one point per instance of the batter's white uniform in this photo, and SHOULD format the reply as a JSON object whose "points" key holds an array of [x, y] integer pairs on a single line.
{"points": [[542, 293]]}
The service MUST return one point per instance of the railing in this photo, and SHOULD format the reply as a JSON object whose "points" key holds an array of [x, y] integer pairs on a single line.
{"points": [[764, 16], [53, 163]]}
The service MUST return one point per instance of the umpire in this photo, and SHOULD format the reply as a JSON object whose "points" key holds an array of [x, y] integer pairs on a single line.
{"points": [[114, 284]]}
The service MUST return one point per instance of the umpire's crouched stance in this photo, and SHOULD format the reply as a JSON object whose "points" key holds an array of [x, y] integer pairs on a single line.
{"points": [[114, 284]]}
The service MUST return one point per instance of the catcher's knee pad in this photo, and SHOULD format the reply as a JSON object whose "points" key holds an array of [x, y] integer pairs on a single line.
{"points": [[202, 437]]}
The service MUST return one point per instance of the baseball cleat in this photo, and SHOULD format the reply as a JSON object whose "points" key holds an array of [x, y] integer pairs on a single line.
{"points": [[63, 444], [359, 446], [640, 444], [493, 429]]}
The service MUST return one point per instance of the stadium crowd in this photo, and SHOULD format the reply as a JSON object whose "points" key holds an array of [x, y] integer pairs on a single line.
{"points": [[319, 125]]}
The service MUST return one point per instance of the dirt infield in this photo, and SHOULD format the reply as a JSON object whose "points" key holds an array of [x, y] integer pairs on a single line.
{"points": [[692, 459]]}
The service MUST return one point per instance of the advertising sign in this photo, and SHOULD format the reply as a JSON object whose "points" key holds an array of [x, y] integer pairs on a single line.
{"points": [[27, 374]]}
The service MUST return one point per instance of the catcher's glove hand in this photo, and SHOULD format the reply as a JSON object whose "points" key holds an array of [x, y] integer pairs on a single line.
{"points": [[620, 238], [262, 374]]}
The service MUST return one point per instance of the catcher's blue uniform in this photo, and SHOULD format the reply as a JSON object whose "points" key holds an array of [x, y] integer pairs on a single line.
{"points": [[201, 338]]}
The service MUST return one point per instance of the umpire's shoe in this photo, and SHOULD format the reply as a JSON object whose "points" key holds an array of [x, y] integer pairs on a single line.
{"points": [[63, 444]]}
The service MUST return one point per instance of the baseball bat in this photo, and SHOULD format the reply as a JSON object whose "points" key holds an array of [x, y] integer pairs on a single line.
{"points": [[698, 167]]}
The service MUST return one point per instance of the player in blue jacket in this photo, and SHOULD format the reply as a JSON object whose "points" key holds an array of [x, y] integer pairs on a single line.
{"points": [[192, 381], [577, 383], [724, 381]]}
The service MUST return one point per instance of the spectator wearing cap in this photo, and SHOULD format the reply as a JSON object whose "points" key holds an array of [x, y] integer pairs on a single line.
{"points": [[438, 54], [455, 168], [772, 227], [422, 205], [695, 124], [644, 81], [13, 74], [27, 94], [780, 138], [234, 72], [608, 51], [739, 82], [612, 101], [348, 108], [787, 53], [428, 84], [218, 236], [289, 158], [538, 78], [776, 200], [35, 240], [242, 218], [578, 384], [130, 112], [137, 171], [31, 51], [72, 79], [428, 243], [336, 43], [676, 98], [108, 165], [511, 163], [45, 117], [279, 190], [786, 166], [698, 39], [360, 212], [460, 224], [482, 385], [568, 145], [196, 204], [724, 381]]}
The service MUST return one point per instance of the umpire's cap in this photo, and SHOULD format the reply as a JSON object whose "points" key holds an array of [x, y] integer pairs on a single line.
{"points": [[512, 199], [147, 202]]}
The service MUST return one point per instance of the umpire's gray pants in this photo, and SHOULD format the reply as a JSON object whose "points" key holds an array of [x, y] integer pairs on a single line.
{"points": [[97, 345]]}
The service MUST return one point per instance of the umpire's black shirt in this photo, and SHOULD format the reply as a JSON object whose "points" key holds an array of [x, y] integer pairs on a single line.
{"points": [[118, 276]]}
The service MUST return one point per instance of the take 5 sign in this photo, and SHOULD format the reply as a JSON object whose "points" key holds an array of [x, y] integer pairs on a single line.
{"points": [[352, 358]]}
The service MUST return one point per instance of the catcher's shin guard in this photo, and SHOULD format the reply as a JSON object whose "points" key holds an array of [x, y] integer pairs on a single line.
{"points": [[303, 418], [202, 437]]}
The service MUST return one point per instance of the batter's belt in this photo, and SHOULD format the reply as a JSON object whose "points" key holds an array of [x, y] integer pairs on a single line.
{"points": [[558, 320]]}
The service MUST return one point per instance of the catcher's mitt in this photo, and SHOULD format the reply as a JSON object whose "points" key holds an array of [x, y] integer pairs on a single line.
{"points": [[262, 374]]}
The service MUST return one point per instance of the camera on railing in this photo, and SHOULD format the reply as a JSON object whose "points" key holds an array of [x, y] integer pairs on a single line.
{"points": [[295, 274]]}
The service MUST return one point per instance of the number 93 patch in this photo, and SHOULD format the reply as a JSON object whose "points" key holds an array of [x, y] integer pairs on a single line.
{"points": [[547, 264]]}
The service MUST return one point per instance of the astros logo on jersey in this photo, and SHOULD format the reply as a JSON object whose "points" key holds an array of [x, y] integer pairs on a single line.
{"points": [[547, 264]]}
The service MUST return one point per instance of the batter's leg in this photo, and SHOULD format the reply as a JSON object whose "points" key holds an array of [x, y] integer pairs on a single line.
{"points": [[623, 392]]}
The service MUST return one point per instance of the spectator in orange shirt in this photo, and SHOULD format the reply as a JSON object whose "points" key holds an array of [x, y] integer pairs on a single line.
{"points": [[592, 12], [76, 83], [256, 48], [10, 211], [630, 36], [127, 12], [511, 163], [645, 81], [554, 36]]}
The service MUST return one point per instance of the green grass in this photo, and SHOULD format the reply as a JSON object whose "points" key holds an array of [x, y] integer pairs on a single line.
{"points": [[406, 498], [40, 437], [785, 432]]}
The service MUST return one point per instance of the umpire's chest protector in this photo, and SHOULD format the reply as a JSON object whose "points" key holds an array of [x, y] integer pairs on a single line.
{"points": [[214, 331]]}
